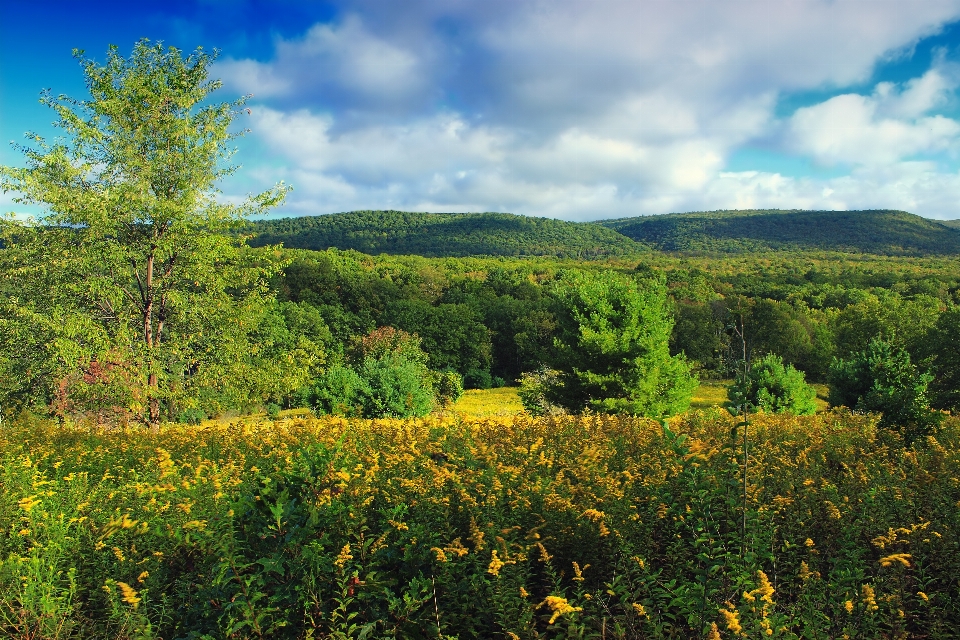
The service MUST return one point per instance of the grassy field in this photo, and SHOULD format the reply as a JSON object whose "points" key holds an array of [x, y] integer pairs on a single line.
{"points": [[481, 403]]}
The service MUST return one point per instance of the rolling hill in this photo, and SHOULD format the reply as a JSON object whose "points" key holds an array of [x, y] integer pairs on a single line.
{"points": [[883, 232], [880, 232], [444, 235]]}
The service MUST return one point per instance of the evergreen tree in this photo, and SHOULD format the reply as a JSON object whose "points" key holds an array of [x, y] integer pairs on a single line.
{"points": [[612, 348]]}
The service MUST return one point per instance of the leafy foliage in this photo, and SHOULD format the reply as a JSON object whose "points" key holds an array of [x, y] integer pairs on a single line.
{"points": [[881, 378], [444, 234], [880, 232], [774, 387], [145, 278], [611, 350]]}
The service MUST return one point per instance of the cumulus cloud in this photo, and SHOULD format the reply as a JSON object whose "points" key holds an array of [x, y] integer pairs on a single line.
{"points": [[590, 110], [879, 129]]}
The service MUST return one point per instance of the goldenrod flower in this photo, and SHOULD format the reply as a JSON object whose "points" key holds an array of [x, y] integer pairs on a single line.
{"points": [[848, 605], [639, 609], [559, 606], [923, 596], [495, 564], [869, 597], [902, 558], [714, 633], [344, 557], [129, 594], [578, 571], [28, 503], [732, 619]]}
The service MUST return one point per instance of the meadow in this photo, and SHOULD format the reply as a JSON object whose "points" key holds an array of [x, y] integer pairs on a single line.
{"points": [[459, 526]]}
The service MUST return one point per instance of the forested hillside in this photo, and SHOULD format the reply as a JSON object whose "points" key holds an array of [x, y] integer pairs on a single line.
{"points": [[880, 232], [444, 235]]}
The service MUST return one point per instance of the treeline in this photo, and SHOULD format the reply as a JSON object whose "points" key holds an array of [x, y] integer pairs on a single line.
{"points": [[881, 232], [300, 341], [443, 234]]}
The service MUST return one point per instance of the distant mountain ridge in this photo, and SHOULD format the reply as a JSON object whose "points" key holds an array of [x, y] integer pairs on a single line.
{"points": [[880, 231], [445, 235]]}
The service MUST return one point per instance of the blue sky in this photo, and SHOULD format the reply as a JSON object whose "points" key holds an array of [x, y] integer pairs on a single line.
{"points": [[573, 109]]}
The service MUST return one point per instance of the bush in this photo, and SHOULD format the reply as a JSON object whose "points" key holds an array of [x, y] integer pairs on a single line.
{"points": [[533, 392], [774, 387], [395, 387], [449, 387], [339, 391], [882, 379], [477, 379], [273, 410]]}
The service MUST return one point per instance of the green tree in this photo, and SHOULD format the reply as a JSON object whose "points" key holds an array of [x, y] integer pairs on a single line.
{"points": [[881, 378], [612, 349], [774, 387], [138, 269], [942, 348]]}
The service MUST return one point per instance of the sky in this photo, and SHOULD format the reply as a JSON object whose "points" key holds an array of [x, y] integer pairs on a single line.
{"points": [[572, 109]]}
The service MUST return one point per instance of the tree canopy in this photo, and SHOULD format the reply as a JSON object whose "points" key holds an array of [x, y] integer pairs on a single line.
{"points": [[138, 281]]}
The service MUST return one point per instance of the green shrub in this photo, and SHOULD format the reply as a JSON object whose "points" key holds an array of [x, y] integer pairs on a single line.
{"points": [[395, 387], [882, 379], [449, 387], [774, 387]]}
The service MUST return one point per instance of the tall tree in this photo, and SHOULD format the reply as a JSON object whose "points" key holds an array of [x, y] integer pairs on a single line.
{"points": [[612, 349], [134, 230]]}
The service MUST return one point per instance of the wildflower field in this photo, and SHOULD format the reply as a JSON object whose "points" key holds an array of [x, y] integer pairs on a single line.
{"points": [[501, 527]]}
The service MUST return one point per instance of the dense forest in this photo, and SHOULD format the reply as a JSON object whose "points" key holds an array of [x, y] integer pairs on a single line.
{"points": [[443, 234], [883, 232], [880, 232]]}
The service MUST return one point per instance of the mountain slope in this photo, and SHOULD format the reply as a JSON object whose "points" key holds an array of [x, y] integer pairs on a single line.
{"points": [[882, 232], [444, 235]]}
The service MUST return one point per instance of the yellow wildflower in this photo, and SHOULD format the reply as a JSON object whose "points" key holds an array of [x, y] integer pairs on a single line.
{"points": [[578, 572], [523, 593], [732, 619], [714, 633], [495, 564], [344, 557], [28, 503], [869, 597], [923, 596], [441, 556], [638, 608], [129, 594], [848, 605], [559, 606], [902, 558]]}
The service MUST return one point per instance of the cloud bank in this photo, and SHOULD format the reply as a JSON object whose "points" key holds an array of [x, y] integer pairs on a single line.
{"points": [[589, 110]]}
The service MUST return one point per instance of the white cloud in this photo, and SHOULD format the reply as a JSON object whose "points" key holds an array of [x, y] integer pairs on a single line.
{"points": [[879, 129], [587, 110]]}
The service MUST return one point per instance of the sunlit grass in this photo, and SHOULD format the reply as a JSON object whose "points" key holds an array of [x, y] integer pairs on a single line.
{"points": [[484, 403], [710, 393]]}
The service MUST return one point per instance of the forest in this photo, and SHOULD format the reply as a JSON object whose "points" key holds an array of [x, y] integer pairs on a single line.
{"points": [[211, 431]]}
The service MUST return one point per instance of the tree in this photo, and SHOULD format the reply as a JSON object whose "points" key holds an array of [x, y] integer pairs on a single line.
{"points": [[137, 261], [774, 387], [612, 349], [943, 348], [881, 378]]}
